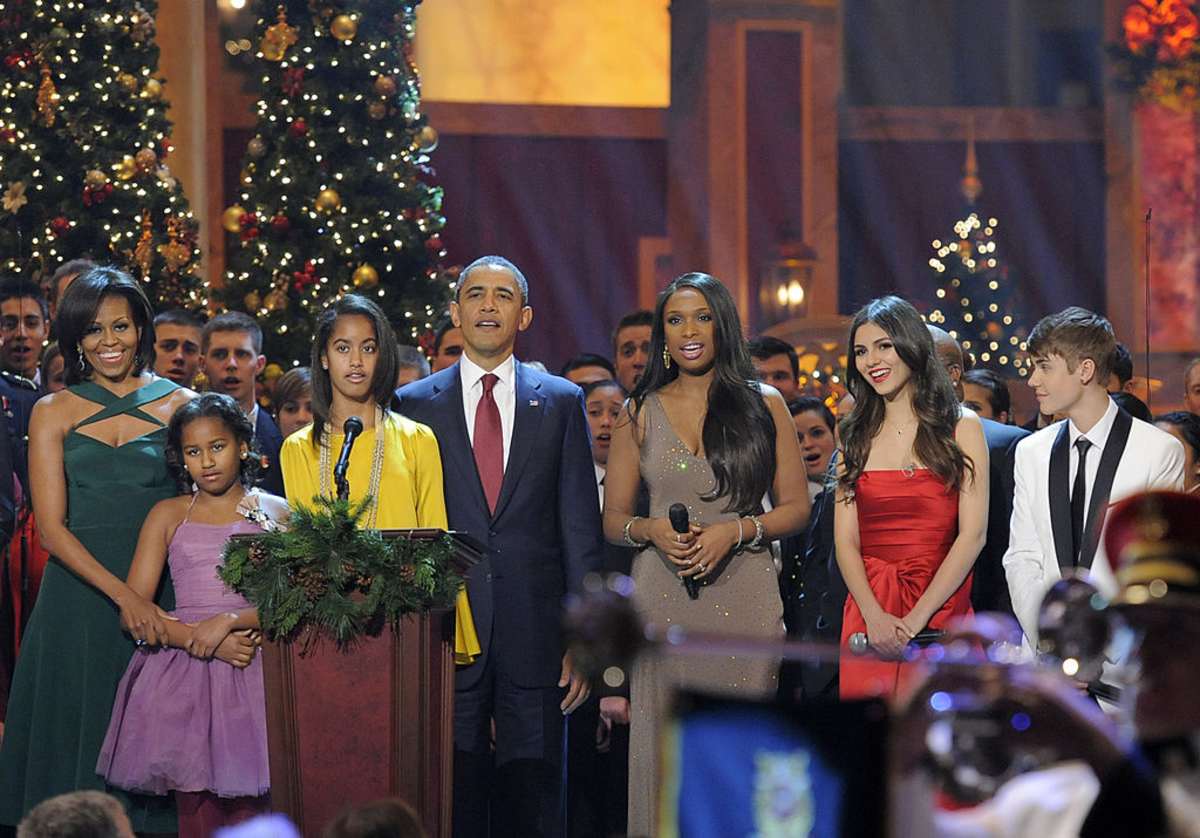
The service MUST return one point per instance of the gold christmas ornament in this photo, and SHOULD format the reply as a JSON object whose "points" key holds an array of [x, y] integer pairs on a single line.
{"points": [[271, 372], [146, 160], [344, 28], [200, 382], [126, 169], [278, 37], [152, 90], [328, 200], [385, 85], [174, 252], [231, 219], [252, 300], [47, 99], [427, 139], [95, 178], [276, 300], [143, 252], [128, 82], [365, 276], [377, 110], [256, 147]]}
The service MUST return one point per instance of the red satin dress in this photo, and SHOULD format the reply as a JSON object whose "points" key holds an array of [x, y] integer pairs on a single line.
{"points": [[906, 525]]}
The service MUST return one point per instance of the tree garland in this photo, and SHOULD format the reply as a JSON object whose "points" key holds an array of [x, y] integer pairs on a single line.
{"points": [[325, 578]]}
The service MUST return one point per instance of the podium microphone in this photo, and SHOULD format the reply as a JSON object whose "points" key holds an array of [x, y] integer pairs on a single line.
{"points": [[351, 429], [859, 644], [678, 513]]}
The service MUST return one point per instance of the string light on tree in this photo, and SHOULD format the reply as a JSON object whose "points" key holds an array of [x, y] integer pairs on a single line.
{"points": [[83, 128], [335, 194], [975, 295]]}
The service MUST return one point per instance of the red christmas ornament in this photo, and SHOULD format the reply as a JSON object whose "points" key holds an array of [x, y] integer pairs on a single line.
{"points": [[302, 279], [249, 233], [59, 226], [248, 219], [95, 195], [293, 81], [298, 128], [164, 148], [280, 224], [434, 244], [8, 135]]}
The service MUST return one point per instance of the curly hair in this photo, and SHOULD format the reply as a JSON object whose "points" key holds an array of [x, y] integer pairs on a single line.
{"points": [[933, 400], [210, 406]]}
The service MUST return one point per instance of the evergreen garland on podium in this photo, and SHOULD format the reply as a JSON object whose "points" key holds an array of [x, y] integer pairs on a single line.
{"points": [[324, 577]]}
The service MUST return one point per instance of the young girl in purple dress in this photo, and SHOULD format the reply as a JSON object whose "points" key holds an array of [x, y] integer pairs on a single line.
{"points": [[190, 718]]}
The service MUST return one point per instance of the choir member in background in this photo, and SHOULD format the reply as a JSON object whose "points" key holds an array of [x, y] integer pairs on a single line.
{"points": [[776, 363], [293, 401], [1185, 427], [178, 336], [912, 494], [631, 347], [98, 467], [701, 431]]}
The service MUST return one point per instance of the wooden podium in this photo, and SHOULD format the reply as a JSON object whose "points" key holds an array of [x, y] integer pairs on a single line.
{"points": [[375, 720]]}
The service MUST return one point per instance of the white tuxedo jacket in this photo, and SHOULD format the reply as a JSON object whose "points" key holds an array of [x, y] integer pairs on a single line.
{"points": [[1152, 459]]}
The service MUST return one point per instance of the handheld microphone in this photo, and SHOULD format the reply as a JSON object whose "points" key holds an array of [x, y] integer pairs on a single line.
{"points": [[678, 513], [351, 429], [859, 645]]}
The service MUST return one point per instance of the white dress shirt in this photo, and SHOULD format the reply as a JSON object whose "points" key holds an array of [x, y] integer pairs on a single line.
{"points": [[505, 394], [1098, 437], [600, 472]]}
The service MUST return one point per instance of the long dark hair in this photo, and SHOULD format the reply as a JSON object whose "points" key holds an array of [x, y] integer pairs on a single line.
{"points": [[77, 310], [739, 433], [383, 382], [933, 400], [210, 406]]}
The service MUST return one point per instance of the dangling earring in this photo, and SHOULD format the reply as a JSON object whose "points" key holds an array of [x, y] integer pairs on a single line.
{"points": [[82, 363], [666, 357]]}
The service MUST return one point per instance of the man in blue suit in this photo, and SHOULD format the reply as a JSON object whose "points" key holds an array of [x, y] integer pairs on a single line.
{"points": [[518, 475]]}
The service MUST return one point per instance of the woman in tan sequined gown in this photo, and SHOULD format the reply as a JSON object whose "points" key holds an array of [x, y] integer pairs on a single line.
{"points": [[700, 431]]}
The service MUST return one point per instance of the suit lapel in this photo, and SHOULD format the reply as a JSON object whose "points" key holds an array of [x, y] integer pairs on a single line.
{"points": [[527, 421], [1060, 497], [457, 448], [1110, 459]]}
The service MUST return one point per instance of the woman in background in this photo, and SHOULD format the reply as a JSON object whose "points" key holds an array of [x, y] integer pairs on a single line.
{"points": [[293, 400], [911, 516], [1185, 427]]}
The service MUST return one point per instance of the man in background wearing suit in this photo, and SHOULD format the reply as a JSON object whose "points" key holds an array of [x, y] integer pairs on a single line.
{"points": [[519, 478], [231, 356], [1068, 473], [989, 589]]}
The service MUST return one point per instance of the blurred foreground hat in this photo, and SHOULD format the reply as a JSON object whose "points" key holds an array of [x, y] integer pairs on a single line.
{"points": [[1153, 544]]}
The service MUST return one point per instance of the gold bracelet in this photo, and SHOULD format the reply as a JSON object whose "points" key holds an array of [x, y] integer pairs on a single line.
{"points": [[629, 539]]}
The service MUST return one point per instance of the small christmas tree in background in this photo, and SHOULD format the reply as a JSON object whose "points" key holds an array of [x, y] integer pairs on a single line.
{"points": [[83, 139], [335, 198], [975, 298]]}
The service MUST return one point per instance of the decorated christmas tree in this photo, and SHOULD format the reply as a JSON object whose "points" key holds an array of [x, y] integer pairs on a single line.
{"points": [[84, 137], [976, 298], [335, 180]]}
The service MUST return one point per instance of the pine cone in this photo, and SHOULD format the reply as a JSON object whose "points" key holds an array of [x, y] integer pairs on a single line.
{"points": [[257, 553], [313, 583], [407, 573]]}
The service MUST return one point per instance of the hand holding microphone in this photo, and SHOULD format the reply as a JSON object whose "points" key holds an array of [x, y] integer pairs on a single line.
{"points": [[678, 513]]}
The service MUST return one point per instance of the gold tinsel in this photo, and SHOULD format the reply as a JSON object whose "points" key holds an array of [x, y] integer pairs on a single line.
{"points": [[47, 98], [174, 252], [143, 251]]}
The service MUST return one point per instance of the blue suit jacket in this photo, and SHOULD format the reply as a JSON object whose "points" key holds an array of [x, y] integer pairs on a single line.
{"points": [[545, 534], [267, 442]]}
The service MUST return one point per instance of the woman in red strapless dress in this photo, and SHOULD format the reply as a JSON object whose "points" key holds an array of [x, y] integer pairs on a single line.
{"points": [[911, 517]]}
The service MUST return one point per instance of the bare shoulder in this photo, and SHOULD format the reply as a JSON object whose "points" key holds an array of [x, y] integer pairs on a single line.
{"points": [[179, 398], [170, 510], [774, 400], [57, 411], [968, 425]]}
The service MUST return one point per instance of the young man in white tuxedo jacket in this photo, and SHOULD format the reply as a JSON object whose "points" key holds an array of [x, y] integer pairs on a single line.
{"points": [[1058, 514]]}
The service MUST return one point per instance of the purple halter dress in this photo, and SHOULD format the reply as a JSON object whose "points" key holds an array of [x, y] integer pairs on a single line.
{"points": [[182, 723]]}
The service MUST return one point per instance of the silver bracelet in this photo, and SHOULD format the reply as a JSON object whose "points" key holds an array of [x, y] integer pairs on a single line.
{"points": [[629, 533], [759, 532], [738, 546]]}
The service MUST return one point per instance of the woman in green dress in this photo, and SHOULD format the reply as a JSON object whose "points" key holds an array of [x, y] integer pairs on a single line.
{"points": [[97, 466]]}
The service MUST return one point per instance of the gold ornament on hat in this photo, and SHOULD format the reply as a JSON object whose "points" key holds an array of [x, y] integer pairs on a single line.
{"points": [[252, 300], [146, 160], [328, 200], [126, 169], [426, 139], [174, 252], [231, 219], [365, 276], [47, 98], [152, 90], [278, 37], [344, 28]]}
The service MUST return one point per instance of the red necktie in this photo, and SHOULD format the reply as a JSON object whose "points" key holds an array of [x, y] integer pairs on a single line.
{"points": [[489, 443]]}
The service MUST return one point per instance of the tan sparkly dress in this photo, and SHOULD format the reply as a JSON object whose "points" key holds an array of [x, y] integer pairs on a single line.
{"points": [[742, 599]]}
